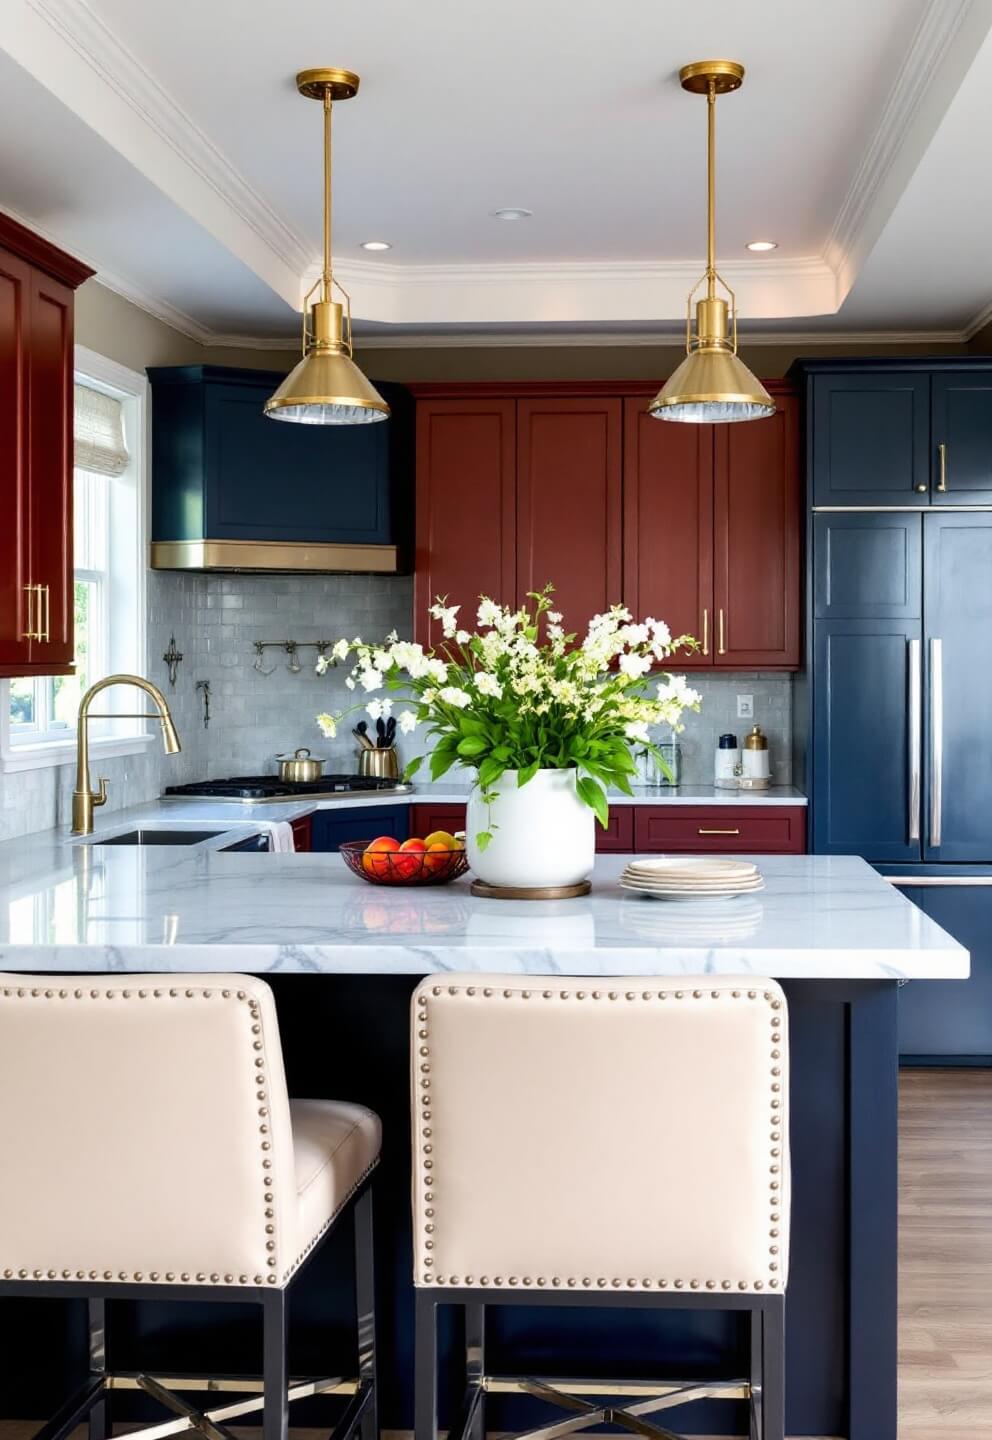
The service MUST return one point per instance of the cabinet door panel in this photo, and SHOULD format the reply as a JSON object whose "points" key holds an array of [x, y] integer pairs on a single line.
{"points": [[867, 567], [962, 422], [50, 370], [15, 535], [273, 481], [871, 439], [756, 540], [668, 526], [957, 605], [618, 837], [720, 829], [569, 504], [862, 760], [466, 482], [332, 827], [425, 819], [952, 1019]]}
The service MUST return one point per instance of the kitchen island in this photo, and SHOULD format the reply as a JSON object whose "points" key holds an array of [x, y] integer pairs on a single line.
{"points": [[343, 957]]}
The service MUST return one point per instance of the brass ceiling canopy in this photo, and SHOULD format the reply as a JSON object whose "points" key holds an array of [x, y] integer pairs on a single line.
{"points": [[327, 387], [712, 385]]}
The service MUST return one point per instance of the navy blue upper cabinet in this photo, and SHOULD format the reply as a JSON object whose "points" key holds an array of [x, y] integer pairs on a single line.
{"points": [[962, 439], [870, 438], [232, 487], [898, 433]]}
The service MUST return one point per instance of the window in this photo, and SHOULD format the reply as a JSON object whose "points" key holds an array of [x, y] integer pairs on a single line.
{"points": [[38, 715]]}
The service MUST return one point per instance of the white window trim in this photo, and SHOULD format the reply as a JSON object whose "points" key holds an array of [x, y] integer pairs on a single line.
{"points": [[48, 753]]}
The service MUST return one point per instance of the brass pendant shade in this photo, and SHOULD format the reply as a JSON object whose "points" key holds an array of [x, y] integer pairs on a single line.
{"points": [[712, 385], [327, 387]]}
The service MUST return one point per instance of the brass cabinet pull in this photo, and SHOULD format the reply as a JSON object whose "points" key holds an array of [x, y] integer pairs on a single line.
{"points": [[722, 647], [718, 832], [34, 630], [706, 632], [43, 629], [942, 466]]}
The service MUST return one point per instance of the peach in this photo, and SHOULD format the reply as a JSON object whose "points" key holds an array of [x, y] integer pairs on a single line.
{"points": [[375, 856], [409, 861]]}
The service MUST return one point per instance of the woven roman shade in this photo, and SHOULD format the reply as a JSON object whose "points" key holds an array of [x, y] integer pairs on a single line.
{"points": [[98, 432]]}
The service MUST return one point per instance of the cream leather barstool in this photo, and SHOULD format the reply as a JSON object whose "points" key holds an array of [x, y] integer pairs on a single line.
{"points": [[149, 1150], [596, 1142]]}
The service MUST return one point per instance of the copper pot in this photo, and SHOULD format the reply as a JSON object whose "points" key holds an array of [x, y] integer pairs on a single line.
{"points": [[300, 767]]}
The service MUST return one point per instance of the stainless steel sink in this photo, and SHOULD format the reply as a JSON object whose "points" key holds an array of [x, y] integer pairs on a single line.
{"points": [[158, 837]]}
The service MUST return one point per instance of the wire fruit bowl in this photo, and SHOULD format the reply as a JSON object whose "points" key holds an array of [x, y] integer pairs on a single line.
{"points": [[402, 867]]}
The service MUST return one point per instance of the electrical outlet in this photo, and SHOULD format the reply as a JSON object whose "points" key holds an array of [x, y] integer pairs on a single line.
{"points": [[745, 707]]}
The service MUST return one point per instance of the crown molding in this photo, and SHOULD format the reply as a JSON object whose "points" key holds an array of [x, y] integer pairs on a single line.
{"points": [[659, 341], [856, 227], [978, 321]]}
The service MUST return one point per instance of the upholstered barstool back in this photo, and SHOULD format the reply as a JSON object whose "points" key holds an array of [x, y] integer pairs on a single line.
{"points": [[146, 1134], [601, 1135]]}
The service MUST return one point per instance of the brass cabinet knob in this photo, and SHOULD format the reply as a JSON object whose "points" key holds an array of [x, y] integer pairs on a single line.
{"points": [[921, 489]]}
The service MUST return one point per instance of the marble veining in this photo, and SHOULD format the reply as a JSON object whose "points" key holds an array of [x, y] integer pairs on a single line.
{"points": [[82, 908]]}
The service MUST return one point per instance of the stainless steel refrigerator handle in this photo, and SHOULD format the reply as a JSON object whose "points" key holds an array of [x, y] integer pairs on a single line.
{"points": [[940, 882], [936, 740], [915, 738]]}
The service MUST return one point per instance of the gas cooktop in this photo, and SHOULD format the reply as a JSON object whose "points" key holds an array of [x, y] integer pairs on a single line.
{"points": [[259, 788]]}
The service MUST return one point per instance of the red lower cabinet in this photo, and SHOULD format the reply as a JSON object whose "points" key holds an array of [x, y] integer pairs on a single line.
{"points": [[619, 834], [727, 829], [302, 835], [425, 819]]}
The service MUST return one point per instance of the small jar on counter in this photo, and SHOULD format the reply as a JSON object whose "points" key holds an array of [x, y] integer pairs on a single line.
{"points": [[727, 763], [755, 767]]}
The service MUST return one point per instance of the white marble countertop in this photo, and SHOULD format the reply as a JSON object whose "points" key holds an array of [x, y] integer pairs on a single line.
{"points": [[78, 908]]}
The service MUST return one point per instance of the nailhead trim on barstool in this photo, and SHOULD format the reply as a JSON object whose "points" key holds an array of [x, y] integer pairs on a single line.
{"points": [[258, 1080], [427, 1274]]}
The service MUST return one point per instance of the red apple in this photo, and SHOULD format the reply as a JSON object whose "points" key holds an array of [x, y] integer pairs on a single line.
{"points": [[410, 859], [375, 856]]}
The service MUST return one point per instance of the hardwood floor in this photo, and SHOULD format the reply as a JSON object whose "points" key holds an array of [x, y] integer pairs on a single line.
{"points": [[945, 1259], [945, 1255]]}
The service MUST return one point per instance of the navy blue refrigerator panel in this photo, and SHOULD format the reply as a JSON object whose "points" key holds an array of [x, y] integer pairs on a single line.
{"points": [[949, 1021], [957, 608]]}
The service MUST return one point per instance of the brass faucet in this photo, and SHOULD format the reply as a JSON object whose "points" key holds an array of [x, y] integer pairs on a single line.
{"points": [[83, 798]]}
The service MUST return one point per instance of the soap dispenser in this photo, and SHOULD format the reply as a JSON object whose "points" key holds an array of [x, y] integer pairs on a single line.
{"points": [[755, 767]]}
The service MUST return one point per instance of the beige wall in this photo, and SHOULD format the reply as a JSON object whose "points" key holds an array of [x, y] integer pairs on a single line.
{"points": [[114, 327], [600, 362]]}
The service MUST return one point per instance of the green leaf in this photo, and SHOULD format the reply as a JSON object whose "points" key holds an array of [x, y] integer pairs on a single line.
{"points": [[489, 771], [595, 797], [483, 838], [501, 752], [412, 767], [441, 763], [528, 772], [469, 725], [471, 745]]}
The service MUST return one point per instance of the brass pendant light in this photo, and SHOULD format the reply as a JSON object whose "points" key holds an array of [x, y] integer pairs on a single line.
{"points": [[327, 387], [712, 385]]}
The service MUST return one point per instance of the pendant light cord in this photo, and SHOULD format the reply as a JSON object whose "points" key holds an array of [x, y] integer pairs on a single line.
{"points": [[711, 191], [326, 277]]}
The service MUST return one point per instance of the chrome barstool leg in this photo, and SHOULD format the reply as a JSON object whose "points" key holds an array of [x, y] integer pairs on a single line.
{"points": [[275, 1411], [365, 1306], [99, 1416], [475, 1369], [425, 1367], [773, 1378]]}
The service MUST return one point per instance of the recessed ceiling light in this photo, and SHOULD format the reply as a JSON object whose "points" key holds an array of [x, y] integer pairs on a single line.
{"points": [[761, 245], [511, 212], [376, 245]]}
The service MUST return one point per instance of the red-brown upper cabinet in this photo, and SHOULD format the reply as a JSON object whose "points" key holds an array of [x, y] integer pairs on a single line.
{"points": [[466, 507], [668, 525], [756, 540], [712, 534], [569, 503], [36, 372]]}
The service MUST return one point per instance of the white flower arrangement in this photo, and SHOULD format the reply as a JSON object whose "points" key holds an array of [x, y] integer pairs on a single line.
{"points": [[520, 694]]}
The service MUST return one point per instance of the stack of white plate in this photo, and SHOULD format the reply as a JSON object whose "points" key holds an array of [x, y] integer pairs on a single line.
{"points": [[691, 878]]}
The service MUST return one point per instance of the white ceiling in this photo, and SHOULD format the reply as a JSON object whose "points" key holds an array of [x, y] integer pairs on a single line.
{"points": [[166, 144]]}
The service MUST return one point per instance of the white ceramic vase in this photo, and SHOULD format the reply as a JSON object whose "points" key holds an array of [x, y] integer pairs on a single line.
{"points": [[542, 832]]}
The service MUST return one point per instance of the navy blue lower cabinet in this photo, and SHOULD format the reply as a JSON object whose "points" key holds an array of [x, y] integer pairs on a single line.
{"points": [[862, 783], [949, 1022], [332, 827]]}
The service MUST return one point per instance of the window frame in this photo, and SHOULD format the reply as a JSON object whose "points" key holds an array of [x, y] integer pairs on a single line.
{"points": [[123, 737]]}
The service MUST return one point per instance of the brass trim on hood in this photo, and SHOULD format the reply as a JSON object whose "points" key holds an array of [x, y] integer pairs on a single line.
{"points": [[273, 555]]}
